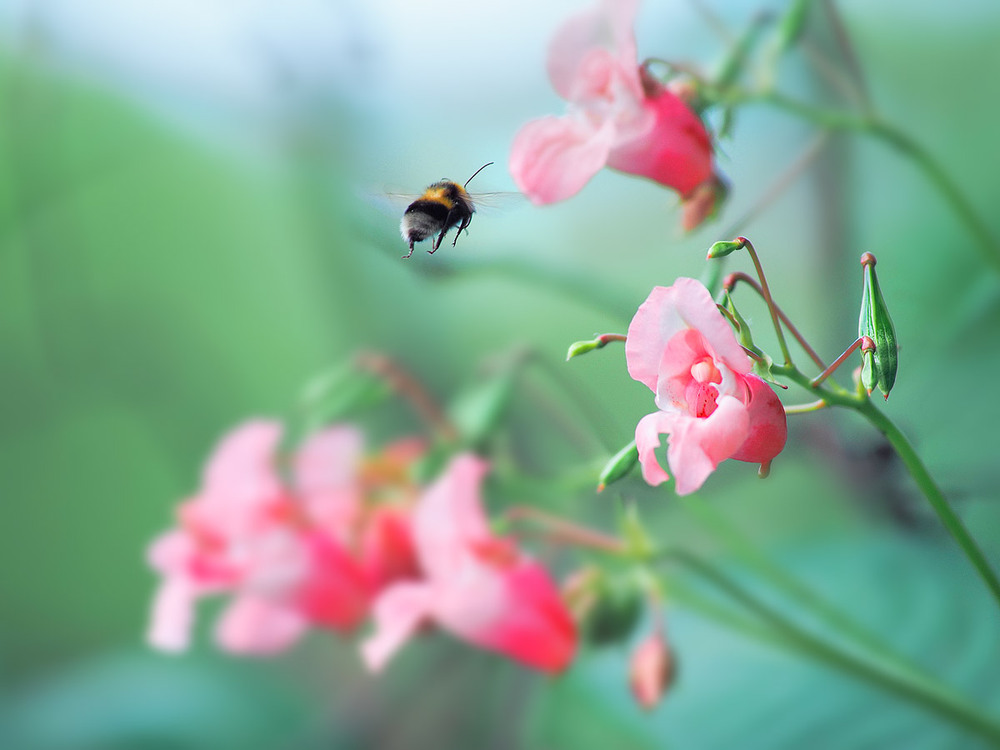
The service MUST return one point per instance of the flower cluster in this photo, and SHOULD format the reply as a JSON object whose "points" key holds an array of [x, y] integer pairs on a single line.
{"points": [[334, 536]]}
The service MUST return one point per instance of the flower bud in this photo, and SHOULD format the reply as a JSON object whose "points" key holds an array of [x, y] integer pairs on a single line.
{"points": [[875, 323], [724, 248], [651, 670], [598, 342], [620, 464]]}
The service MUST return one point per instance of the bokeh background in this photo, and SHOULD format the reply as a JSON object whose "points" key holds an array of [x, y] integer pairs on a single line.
{"points": [[194, 224]]}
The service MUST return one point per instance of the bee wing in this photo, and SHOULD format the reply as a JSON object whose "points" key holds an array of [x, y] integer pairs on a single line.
{"points": [[497, 201], [387, 201]]}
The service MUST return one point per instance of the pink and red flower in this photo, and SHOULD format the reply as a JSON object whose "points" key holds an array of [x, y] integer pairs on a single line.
{"points": [[479, 587], [709, 404], [618, 116], [309, 551]]}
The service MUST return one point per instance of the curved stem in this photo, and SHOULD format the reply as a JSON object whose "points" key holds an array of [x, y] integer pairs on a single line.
{"points": [[768, 300], [839, 361], [778, 629], [730, 284], [406, 386], [952, 522], [806, 408], [987, 243]]}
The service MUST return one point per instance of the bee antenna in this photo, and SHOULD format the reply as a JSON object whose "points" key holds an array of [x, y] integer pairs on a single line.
{"points": [[477, 172]]}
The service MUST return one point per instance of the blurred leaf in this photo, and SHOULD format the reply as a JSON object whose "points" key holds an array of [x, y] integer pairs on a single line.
{"points": [[733, 692]]}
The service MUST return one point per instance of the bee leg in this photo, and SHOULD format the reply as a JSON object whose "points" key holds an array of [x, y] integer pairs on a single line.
{"points": [[409, 253], [464, 226], [436, 243]]}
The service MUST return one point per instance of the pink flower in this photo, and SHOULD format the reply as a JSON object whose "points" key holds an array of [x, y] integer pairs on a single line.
{"points": [[287, 552], [618, 115], [477, 586], [708, 403]]}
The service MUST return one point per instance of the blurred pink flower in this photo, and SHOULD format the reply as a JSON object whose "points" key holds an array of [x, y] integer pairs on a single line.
{"points": [[477, 586], [618, 116], [308, 552], [709, 404]]}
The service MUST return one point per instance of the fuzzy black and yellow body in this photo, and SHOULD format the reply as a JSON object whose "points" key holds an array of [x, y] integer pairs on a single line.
{"points": [[443, 205]]}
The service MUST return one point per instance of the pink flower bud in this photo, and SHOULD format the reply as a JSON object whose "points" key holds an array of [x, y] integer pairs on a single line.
{"points": [[651, 670]]}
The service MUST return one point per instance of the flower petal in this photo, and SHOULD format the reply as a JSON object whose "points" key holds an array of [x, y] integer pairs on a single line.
{"points": [[697, 446], [326, 469], [675, 150], [647, 440], [534, 626], [172, 615], [669, 310], [328, 459], [768, 426], [397, 613], [449, 517], [608, 26], [336, 590], [242, 464], [254, 625], [387, 550], [552, 158]]}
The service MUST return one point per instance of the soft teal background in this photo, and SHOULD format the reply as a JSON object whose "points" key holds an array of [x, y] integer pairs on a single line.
{"points": [[193, 226]]}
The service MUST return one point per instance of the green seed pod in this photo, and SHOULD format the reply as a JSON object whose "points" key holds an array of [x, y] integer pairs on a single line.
{"points": [[875, 323], [607, 607]]}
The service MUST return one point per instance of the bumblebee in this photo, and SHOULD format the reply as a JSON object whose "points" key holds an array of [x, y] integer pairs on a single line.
{"points": [[443, 205]]}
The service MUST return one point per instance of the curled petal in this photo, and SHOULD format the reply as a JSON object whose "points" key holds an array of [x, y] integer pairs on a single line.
{"points": [[254, 625], [768, 428], [666, 312], [607, 26], [647, 440], [552, 158], [398, 612], [697, 446], [675, 150]]}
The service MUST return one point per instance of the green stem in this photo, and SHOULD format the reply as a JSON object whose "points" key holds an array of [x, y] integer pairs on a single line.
{"points": [[869, 125], [801, 594], [778, 629], [934, 496], [768, 299]]}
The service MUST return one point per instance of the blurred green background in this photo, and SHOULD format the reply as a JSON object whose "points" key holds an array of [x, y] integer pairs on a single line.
{"points": [[193, 225]]}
